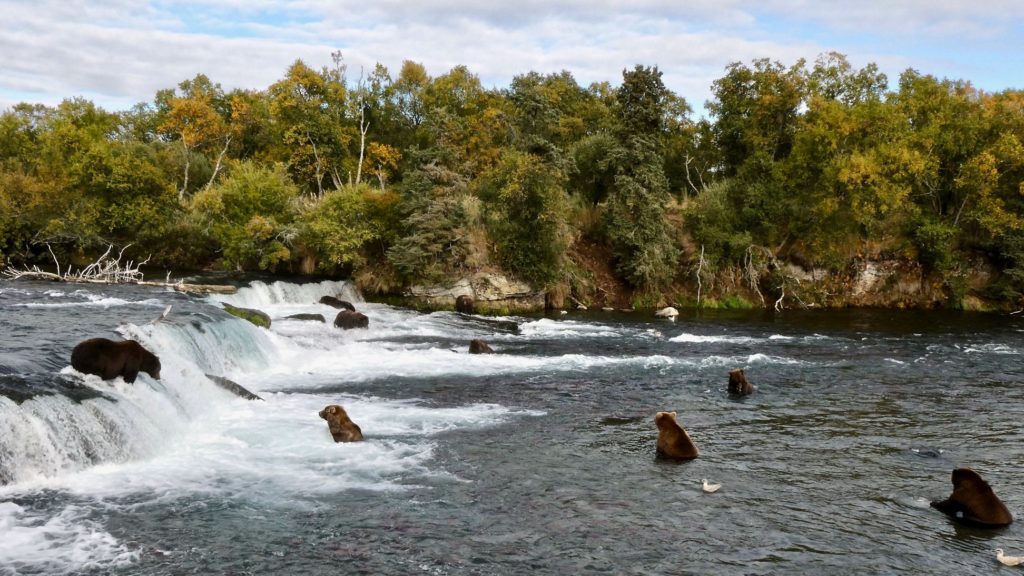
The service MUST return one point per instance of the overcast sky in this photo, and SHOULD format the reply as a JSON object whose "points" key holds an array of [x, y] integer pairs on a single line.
{"points": [[120, 52]]}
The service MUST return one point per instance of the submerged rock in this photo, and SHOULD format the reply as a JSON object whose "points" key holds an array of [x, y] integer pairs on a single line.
{"points": [[337, 303], [258, 318], [233, 387], [310, 317]]}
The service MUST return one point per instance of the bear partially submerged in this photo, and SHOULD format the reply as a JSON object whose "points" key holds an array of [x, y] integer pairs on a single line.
{"points": [[347, 320], [738, 384], [108, 359], [673, 441], [342, 428], [973, 502], [477, 346]]}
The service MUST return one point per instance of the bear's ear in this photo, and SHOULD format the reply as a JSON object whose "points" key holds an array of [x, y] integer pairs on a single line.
{"points": [[673, 414], [333, 410]]}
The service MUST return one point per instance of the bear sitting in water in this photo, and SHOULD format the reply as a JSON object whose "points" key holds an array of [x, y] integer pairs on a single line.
{"points": [[342, 428], [108, 359], [973, 502], [673, 441]]}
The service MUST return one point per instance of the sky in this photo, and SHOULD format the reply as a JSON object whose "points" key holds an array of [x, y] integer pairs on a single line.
{"points": [[120, 52]]}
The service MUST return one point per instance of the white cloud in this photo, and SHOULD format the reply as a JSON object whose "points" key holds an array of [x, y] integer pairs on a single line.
{"points": [[120, 51]]}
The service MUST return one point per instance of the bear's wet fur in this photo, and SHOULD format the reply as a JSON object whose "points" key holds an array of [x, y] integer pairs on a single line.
{"points": [[477, 346], [342, 428], [673, 441], [347, 320], [973, 502], [738, 384], [109, 359]]}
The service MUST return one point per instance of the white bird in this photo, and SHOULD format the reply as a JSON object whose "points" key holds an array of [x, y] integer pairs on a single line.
{"points": [[709, 488], [164, 315], [1008, 560]]}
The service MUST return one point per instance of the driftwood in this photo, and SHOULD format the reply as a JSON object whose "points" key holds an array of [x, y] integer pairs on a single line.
{"points": [[109, 270]]}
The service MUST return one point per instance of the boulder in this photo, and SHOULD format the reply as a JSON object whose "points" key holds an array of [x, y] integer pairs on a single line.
{"points": [[337, 303], [310, 317], [258, 318]]}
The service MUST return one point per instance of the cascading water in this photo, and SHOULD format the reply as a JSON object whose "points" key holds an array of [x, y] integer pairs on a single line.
{"points": [[538, 458]]}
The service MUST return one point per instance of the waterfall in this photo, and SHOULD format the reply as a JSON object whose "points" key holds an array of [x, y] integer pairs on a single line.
{"points": [[259, 294], [54, 433]]}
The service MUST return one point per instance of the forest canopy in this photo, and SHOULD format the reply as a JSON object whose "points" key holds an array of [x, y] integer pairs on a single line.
{"points": [[402, 178]]}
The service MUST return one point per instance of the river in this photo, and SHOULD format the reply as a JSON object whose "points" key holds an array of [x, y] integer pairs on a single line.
{"points": [[538, 459]]}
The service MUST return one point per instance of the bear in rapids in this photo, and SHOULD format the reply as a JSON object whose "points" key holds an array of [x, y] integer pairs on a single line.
{"points": [[347, 320], [673, 441], [342, 428], [973, 502], [108, 359]]}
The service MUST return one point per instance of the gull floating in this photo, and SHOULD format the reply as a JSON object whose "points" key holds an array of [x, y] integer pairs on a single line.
{"points": [[709, 488], [1008, 560]]}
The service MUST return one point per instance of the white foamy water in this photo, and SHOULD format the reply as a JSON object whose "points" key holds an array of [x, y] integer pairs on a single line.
{"points": [[83, 298], [259, 294], [700, 338], [63, 543]]}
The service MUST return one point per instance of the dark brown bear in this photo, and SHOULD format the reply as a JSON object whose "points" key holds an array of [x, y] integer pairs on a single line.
{"points": [[347, 319], [738, 385], [478, 346], [337, 303], [973, 502], [108, 359], [673, 441], [342, 428], [464, 304]]}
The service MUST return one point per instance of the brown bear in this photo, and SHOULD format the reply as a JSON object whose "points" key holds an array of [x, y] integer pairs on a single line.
{"points": [[108, 359], [477, 346], [673, 441], [347, 319], [342, 428], [973, 502], [738, 385], [464, 304]]}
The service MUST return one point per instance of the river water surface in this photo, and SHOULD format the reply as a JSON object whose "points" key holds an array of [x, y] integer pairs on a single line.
{"points": [[538, 459]]}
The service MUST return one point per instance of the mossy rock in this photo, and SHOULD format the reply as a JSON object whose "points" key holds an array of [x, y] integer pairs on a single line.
{"points": [[258, 318]]}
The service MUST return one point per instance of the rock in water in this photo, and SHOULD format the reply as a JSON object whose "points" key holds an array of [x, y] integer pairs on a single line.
{"points": [[337, 303], [310, 317], [258, 318], [233, 387]]}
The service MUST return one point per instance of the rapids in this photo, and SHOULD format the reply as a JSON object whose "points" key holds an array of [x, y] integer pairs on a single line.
{"points": [[538, 459]]}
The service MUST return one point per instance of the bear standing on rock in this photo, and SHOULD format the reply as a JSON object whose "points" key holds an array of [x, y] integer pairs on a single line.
{"points": [[342, 428], [108, 359]]}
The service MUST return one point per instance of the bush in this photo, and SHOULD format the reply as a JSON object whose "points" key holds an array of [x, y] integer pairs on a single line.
{"points": [[250, 215]]}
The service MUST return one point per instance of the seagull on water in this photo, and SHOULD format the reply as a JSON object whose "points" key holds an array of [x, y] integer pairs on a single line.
{"points": [[1008, 560], [709, 488]]}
